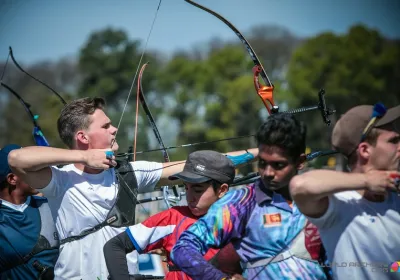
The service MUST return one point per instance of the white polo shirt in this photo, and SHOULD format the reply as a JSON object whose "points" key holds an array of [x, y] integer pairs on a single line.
{"points": [[80, 201], [361, 237]]}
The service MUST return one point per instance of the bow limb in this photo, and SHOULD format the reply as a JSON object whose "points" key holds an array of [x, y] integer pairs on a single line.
{"points": [[264, 92], [167, 197], [36, 79], [38, 135]]}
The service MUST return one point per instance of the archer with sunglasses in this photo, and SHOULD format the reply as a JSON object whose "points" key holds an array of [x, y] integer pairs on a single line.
{"points": [[358, 213]]}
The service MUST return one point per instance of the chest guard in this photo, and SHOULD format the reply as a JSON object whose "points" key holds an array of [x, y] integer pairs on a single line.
{"points": [[122, 214]]}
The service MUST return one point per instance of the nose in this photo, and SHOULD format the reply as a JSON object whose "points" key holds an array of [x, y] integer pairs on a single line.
{"points": [[269, 172], [114, 129]]}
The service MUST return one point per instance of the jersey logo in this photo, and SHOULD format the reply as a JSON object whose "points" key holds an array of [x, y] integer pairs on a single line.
{"points": [[272, 220]]}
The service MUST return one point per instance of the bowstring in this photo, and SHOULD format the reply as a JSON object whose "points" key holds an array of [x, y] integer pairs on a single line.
{"points": [[127, 100], [137, 70]]}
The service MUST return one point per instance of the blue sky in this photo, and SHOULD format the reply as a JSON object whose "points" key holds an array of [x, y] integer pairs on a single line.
{"points": [[50, 29]]}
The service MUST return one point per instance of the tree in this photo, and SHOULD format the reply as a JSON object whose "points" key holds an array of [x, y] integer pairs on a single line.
{"points": [[360, 67], [108, 63], [44, 103], [213, 90]]}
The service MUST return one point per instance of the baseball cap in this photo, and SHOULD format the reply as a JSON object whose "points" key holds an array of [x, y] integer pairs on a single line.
{"points": [[203, 166], [4, 167], [348, 131]]}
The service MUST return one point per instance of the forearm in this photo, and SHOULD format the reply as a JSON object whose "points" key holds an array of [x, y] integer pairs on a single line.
{"points": [[253, 151], [115, 251], [171, 168], [318, 184], [35, 158], [189, 259]]}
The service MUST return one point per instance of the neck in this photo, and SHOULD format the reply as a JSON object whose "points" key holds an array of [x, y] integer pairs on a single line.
{"points": [[13, 195], [285, 193]]}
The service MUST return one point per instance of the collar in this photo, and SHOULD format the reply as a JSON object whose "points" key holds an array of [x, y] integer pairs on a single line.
{"points": [[265, 196]]}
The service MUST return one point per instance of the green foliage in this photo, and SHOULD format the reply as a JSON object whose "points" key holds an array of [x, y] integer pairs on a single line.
{"points": [[359, 67], [203, 96]]}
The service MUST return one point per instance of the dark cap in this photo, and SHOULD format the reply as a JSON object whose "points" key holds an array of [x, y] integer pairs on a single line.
{"points": [[348, 130], [203, 166], [4, 167]]}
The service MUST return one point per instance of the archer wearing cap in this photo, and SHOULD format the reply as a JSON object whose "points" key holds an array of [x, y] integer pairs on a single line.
{"points": [[23, 219], [203, 166], [206, 176], [358, 213]]}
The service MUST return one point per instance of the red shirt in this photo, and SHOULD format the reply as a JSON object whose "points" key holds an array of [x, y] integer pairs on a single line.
{"points": [[163, 230]]}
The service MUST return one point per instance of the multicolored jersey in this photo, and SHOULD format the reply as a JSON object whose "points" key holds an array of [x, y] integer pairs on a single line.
{"points": [[163, 230], [261, 225]]}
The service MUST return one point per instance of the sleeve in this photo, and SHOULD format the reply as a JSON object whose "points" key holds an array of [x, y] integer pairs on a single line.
{"points": [[224, 221], [115, 251], [147, 174], [332, 214], [59, 179], [151, 233]]}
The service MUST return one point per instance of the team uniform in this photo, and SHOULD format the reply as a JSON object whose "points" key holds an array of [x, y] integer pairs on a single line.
{"points": [[80, 201], [273, 239], [361, 237], [20, 229]]}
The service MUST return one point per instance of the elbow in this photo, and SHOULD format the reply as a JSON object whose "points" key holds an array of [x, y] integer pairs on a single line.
{"points": [[14, 159], [298, 187]]}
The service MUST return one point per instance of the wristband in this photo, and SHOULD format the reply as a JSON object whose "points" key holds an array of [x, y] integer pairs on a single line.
{"points": [[109, 154], [240, 159]]}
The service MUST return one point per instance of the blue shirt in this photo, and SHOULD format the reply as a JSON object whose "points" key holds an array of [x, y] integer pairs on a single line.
{"points": [[260, 224], [19, 232]]}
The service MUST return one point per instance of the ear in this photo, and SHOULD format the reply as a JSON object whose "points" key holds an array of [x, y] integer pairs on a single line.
{"points": [[81, 137], [364, 150], [301, 161], [223, 189], [11, 179]]}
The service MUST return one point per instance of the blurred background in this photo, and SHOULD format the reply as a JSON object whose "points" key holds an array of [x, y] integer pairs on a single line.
{"points": [[199, 83]]}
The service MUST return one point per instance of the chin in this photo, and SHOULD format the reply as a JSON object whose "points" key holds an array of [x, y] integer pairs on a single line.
{"points": [[115, 147], [196, 212]]}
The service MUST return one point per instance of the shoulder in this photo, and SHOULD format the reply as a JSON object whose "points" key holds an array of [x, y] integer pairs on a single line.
{"points": [[238, 201], [146, 165], [239, 196], [39, 200]]}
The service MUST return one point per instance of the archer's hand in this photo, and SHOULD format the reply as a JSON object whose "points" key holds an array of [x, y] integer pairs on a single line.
{"points": [[160, 251], [381, 181], [96, 158]]}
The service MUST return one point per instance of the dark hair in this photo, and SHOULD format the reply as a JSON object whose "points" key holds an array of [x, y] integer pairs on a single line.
{"points": [[75, 116], [284, 131], [216, 185], [371, 138], [3, 184]]}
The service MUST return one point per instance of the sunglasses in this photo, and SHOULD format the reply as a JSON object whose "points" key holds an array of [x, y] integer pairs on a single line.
{"points": [[378, 112]]}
